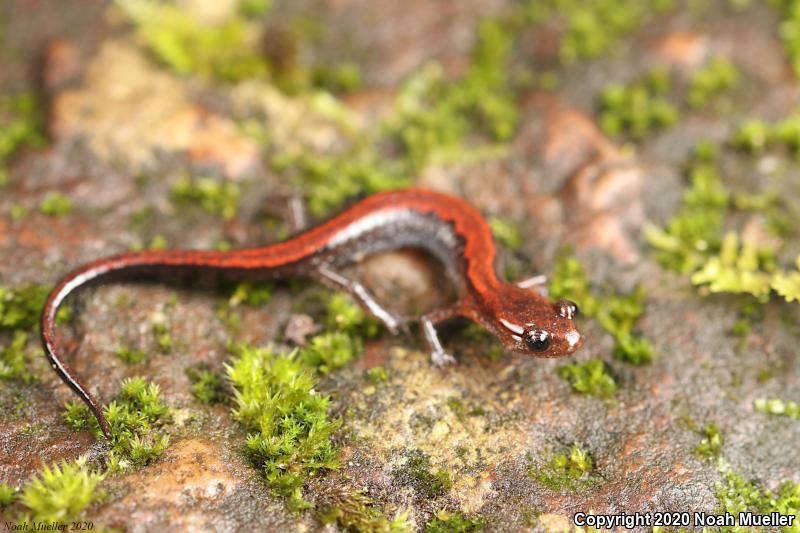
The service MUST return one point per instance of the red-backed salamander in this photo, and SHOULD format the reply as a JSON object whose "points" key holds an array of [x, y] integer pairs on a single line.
{"points": [[447, 227]]}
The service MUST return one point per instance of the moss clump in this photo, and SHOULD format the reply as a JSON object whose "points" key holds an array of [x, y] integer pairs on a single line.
{"points": [[639, 108], [418, 472], [357, 172], [778, 407], [355, 511], [378, 374], [755, 136], [737, 495], [695, 229], [208, 387], [213, 196], [14, 360], [133, 418], [343, 314], [590, 378], [20, 307], [506, 233], [55, 204], [251, 293], [454, 522], [61, 492], [434, 115], [20, 125], [592, 27], [789, 11], [225, 51], [736, 269], [616, 313], [7, 494], [711, 444], [331, 351], [289, 431], [565, 470], [717, 77], [130, 355]]}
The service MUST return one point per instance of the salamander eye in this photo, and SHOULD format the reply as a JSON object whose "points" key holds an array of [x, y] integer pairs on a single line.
{"points": [[568, 309], [537, 340]]}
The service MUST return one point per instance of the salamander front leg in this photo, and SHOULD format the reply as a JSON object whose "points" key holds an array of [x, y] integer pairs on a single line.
{"points": [[393, 323], [428, 322]]}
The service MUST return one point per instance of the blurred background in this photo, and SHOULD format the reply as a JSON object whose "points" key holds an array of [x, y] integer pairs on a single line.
{"points": [[641, 154]]}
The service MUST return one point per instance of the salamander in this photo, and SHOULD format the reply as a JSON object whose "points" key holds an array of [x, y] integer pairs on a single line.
{"points": [[448, 228]]}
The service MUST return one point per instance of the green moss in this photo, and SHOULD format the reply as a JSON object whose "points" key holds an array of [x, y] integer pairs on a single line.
{"points": [[130, 355], [711, 444], [434, 115], [20, 125], [736, 269], [355, 511], [775, 406], [418, 472], [217, 197], [345, 315], [789, 11], [61, 492], [592, 27], [569, 470], [341, 78], [616, 313], [226, 51], [252, 293], [7, 494], [14, 360], [331, 351], [590, 377], [752, 136], [378, 374], [357, 172], [134, 418], [506, 233], [638, 109], [289, 431], [737, 495], [717, 77], [55, 204], [453, 522], [20, 307], [207, 387]]}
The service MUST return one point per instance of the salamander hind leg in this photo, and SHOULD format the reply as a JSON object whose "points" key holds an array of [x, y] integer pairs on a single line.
{"points": [[428, 321], [394, 323]]}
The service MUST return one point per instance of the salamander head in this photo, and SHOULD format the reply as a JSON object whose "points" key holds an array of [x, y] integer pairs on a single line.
{"points": [[530, 323]]}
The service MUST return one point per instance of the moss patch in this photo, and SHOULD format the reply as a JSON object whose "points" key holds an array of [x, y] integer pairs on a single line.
{"points": [[616, 313], [714, 79], [20, 125], [56, 204], [287, 421], [454, 522], [639, 108], [590, 378], [214, 196], [565, 470], [775, 406], [60, 492], [711, 444], [134, 418], [418, 472], [208, 387]]}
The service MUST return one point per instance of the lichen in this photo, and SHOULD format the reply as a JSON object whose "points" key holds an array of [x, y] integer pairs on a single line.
{"points": [[570, 470], [289, 430], [590, 377]]}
